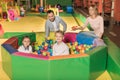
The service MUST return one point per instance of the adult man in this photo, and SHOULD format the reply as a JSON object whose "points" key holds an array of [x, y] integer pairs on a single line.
{"points": [[53, 23]]}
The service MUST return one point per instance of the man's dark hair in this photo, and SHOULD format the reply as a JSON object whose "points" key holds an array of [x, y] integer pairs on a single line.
{"points": [[50, 11]]}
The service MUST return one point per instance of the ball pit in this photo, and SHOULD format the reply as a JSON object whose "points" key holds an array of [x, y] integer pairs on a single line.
{"points": [[75, 48], [45, 48], [28, 65]]}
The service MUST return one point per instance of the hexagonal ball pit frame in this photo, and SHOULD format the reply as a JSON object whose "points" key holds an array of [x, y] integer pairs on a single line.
{"points": [[22, 66]]}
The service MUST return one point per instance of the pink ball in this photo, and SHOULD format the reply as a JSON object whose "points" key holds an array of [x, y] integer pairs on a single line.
{"points": [[45, 47]]}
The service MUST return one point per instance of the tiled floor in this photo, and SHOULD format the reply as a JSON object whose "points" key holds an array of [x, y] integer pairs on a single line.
{"points": [[113, 33]]}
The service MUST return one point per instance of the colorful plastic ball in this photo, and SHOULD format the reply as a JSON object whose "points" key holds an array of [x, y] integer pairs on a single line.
{"points": [[75, 52], [79, 43], [36, 48], [40, 47], [46, 44], [48, 53], [49, 46], [76, 47], [51, 41], [71, 43], [44, 53], [51, 54], [82, 51], [39, 52], [70, 46], [45, 47], [84, 45], [43, 43], [75, 43], [48, 41], [35, 53], [79, 47], [48, 38], [73, 47], [50, 50]]}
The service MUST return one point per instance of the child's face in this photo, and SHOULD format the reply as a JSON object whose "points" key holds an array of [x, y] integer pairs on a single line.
{"points": [[26, 42], [59, 37]]}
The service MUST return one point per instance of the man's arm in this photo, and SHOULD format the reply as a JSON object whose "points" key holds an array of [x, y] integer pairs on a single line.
{"points": [[64, 24], [47, 30]]}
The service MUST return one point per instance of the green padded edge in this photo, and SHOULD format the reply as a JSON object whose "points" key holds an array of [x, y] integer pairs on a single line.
{"points": [[62, 2], [70, 69], [32, 37], [11, 34], [82, 19], [38, 69], [6, 62], [113, 63], [98, 61], [64, 69]]}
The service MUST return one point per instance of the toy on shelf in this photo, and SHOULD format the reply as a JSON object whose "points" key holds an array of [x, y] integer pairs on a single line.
{"points": [[11, 14], [59, 8], [22, 11], [8, 11], [69, 9]]}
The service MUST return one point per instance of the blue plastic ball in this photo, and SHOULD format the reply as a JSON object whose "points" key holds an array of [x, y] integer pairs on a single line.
{"points": [[51, 42], [48, 41], [51, 54], [70, 43], [49, 46], [43, 43], [40, 47], [38, 52]]}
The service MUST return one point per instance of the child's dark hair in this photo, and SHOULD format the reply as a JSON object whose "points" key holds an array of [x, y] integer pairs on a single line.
{"points": [[59, 31], [25, 37], [50, 11]]}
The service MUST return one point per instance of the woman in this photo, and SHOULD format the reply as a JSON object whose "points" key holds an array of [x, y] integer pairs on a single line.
{"points": [[95, 21]]}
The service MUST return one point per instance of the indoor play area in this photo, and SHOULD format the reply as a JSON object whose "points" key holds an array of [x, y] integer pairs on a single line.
{"points": [[89, 57]]}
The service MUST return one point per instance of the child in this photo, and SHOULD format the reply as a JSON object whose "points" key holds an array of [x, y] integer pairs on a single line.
{"points": [[26, 47], [60, 48], [22, 11]]}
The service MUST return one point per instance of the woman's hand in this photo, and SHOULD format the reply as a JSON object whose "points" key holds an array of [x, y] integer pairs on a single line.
{"points": [[74, 28], [77, 28], [81, 28]]}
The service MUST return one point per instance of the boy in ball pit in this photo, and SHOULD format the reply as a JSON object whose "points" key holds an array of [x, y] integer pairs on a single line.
{"points": [[60, 48]]}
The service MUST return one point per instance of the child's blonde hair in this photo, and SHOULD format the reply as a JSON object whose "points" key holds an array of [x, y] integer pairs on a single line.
{"points": [[59, 31]]}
